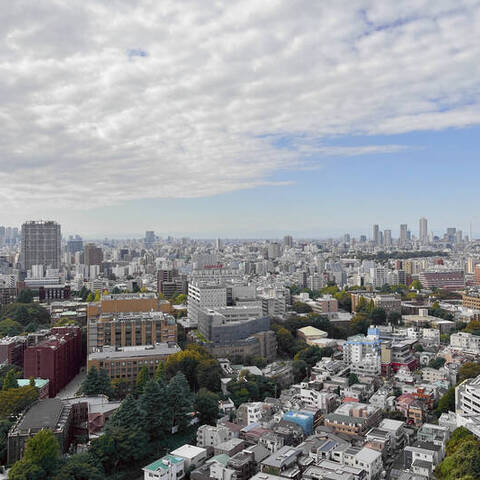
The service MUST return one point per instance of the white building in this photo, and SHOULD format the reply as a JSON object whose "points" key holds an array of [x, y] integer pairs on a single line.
{"points": [[204, 295], [193, 456], [465, 342], [367, 459], [169, 467], [467, 397], [363, 354], [210, 436]]}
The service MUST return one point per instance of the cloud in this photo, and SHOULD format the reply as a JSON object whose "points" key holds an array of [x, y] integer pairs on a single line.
{"points": [[197, 105]]}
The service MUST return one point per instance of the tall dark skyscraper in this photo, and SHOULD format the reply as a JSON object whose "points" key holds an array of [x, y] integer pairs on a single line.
{"points": [[41, 244]]}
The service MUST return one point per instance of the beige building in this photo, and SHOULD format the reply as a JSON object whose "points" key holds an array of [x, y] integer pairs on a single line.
{"points": [[125, 363], [310, 334]]}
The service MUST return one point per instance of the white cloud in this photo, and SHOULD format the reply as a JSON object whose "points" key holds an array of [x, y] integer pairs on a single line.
{"points": [[102, 102]]}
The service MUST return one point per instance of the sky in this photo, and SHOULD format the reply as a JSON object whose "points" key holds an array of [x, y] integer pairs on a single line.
{"points": [[240, 118]]}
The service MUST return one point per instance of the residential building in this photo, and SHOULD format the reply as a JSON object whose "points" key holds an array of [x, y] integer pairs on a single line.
{"points": [[41, 244], [57, 358], [193, 456], [445, 279], [169, 467], [210, 436], [467, 397], [465, 342], [363, 354]]}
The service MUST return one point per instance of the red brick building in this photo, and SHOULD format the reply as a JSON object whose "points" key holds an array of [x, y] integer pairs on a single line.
{"points": [[57, 358], [12, 350]]}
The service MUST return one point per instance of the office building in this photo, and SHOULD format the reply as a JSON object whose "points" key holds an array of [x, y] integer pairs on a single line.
{"points": [[403, 234], [170, 283], [41, 244], [93, 255], [423, 230], [125, 362], [130, 329], [445, 279], [204, 295], [376, 235], [149, 238]]}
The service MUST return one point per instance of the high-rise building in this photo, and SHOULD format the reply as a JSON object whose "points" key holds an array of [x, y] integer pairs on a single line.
{"points": [[387, 238], [403, 234], [93, 255], [41, 244], [288, 241], [423, 230], [376, 235], [149, 238]]}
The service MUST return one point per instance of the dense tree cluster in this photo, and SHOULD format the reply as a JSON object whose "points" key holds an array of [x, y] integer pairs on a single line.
{"points": [[17, 318], [463, 457], [252, 388], [97, 382], [139, 430]]}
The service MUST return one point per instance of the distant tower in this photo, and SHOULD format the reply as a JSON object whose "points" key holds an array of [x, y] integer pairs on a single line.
{"points": [[403, 234], [387, 238], [288, 241], [423, 230], [41, 244], [149, 238], [376, 235]]}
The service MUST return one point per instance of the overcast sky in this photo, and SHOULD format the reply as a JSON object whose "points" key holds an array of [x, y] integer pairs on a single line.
{"points": [[239, 118]]}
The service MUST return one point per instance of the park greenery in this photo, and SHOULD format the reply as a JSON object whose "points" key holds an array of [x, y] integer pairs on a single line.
{"points": [[462, 460]]}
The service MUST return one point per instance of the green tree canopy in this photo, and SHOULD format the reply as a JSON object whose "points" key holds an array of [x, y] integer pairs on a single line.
{"points": [[206, 404], [180, 400], [143, 377], [10, 380]]}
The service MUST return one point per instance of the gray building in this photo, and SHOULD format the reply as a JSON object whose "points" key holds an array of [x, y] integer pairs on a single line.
{"points": [[51, 414], [41, 244]]}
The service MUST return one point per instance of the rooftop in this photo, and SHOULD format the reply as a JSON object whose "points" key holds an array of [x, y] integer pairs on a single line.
{"points": [[137, 351], [163, 463]]}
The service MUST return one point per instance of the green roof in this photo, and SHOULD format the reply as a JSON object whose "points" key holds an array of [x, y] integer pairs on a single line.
{"points": [[221, 458], [162, 463], [24, 382]]}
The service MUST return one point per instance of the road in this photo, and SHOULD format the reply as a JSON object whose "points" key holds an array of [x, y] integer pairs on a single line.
{"points": [[72, 388]]}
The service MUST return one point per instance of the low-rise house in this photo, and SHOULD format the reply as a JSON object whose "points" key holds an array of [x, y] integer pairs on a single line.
{"points": [[366, 459], [328, 470], [283, 463], [230, 447], [193, 456], [421, 458], [353, 418], [169, 467]]}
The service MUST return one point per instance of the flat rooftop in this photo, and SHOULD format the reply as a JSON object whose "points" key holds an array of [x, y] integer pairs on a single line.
{"points": [[137, 351]]}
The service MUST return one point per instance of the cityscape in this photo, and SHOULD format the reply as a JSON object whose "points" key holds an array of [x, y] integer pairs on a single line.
{"points": [[240, 240], [153, 357]]}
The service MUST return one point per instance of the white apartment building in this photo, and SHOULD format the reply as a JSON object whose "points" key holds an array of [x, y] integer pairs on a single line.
{"points": [[210, 436], [465, 342], [367, 459], [363, 354], [467, 397], [204, 295]]}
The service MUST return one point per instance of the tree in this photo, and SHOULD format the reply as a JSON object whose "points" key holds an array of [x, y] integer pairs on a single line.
{"points": [[469, 370], [5, 426], [394, 318], [378, 316], [25, 296], [104, 384], [352, 379], [155, 412], [313, 354], [26, 470], [10, 328], [90, 297], [285, 341], [10, 380], [15, 400], [143, 376], [79, 467], [299, 368], [25, 313], [120, 387], [206, 404], [40, 457], [416, 285], [209, 374], [130, 442], [447, 402], [360, 323], [436, 363], [418, 347], [160, 372], [301, 307], [90, 385], [180, 400], [98, 296]]}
